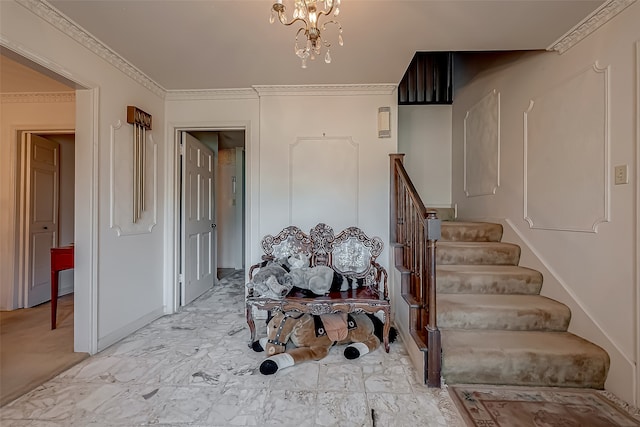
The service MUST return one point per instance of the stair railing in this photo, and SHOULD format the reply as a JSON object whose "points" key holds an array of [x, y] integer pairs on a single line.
{"points": [[413, 232]]}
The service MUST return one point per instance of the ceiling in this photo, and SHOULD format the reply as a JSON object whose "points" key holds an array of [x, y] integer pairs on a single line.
{"points": [[215, 44]]}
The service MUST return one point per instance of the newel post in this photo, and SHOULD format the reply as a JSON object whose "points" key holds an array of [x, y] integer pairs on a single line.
{"points": [[434, 344], [393, 196]]}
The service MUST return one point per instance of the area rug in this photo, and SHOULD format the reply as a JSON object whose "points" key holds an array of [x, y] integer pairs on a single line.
{"points": [[502, 406]]}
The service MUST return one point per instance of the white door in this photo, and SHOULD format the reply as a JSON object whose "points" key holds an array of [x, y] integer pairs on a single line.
{"points": [[43, 170], [198, 219]]}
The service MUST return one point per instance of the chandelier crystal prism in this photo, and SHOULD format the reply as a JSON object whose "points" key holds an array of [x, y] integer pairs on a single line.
{"points": [[309, 13]]}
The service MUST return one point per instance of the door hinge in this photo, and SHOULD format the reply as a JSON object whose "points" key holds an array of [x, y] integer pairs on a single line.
{"points": [[181, 149], [180, 278]]}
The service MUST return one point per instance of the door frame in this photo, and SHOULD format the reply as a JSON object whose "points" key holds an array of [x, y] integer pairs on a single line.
{"points": [[85, 328], [172, 288], [85, 323], [23, 193]]}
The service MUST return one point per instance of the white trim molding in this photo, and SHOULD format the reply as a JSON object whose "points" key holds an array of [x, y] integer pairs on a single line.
{"points": [[210, 94], [482, 146], [57, 19], [120, 191], [37, 97], [559, 133], [590, 24], [338, 90]]}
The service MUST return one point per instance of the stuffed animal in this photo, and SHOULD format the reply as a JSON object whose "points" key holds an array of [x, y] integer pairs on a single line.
{"points": [[272, 280], [318, 280], [310, 337]]}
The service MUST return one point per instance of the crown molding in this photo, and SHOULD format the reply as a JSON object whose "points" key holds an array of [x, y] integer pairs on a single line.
{"points": [[347, 89], [590, 24], [210, 94], [36, 97], [57, 19]]}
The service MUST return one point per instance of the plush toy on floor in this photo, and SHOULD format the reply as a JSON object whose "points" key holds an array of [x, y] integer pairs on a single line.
{"points": [[294, 337]]}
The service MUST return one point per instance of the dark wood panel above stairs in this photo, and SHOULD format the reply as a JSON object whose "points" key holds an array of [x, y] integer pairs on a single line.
{"points": [[427, 80], [496, 328]]}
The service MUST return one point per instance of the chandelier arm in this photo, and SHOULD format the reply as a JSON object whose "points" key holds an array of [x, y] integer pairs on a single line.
{"points": [[328, 12], [301, 29], [292, 22], [324, 26]]}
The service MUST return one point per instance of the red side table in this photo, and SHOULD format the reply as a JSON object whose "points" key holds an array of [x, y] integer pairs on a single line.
{"points": [[61, 259]]}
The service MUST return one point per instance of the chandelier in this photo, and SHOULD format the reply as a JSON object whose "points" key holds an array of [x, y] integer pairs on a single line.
{"points": [[309, 13]]}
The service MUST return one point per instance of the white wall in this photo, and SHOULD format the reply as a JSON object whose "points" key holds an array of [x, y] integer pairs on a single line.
{"points": [[119, 279], [321, 159], [424, 136], [593, 270], [27, 112]]}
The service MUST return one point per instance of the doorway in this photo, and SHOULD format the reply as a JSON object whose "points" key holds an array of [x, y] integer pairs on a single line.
{"points": [[46, 193], [212, 242]]}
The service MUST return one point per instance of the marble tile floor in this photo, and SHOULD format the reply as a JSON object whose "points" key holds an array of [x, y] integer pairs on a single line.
{"points": [[194, 368]]}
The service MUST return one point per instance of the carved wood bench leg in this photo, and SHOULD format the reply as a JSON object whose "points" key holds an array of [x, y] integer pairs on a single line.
{"points": [[251, 323], [387, 328]]}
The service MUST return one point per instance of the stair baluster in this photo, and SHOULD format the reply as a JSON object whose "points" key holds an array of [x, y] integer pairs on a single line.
{"points": [[413, 233]]}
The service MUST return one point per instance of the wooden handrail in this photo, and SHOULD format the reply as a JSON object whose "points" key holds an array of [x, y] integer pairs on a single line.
{"points": [[415, 230]]}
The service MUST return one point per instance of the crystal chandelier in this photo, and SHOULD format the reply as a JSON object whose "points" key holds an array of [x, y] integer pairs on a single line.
{"points": [[309, 13]]}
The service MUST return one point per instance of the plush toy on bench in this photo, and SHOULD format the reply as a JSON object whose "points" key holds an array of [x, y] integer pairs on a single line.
{"points": [[276, 278], [315, 281], [272, 280], [310, 337]]}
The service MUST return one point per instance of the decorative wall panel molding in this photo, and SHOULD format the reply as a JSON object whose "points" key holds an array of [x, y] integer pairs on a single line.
{"points": [[37, 97], [323, 180], [590, 24], [482, 147], [566, 154], [53, 16], [121, 184]]}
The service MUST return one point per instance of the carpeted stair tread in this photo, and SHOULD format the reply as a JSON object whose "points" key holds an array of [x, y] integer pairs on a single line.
{"points": [[504, 312], [496, 253], [522, 358], [456, 231], [487, 279]]}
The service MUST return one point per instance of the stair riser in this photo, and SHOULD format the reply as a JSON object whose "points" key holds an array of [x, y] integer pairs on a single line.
{"points": [[503, 255], [460, 283], [526, 369], [471, 232], [508, 320]]}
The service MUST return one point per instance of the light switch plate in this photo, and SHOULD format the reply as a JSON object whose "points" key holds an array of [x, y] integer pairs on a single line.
{"points": [[621, 175]]}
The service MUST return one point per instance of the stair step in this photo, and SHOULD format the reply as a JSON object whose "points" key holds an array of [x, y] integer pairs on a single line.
{"points": [[495, 253], [487, 279], [503, 312], [533, 358], [461, 231]]}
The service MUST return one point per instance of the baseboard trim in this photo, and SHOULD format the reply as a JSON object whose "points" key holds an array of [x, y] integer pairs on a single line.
{"points": [[125, 331]]}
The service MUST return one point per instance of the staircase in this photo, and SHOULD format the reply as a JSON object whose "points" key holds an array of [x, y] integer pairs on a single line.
{"points": [[495, 326]]}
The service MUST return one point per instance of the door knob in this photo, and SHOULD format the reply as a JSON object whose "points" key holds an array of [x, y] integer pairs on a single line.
{"points": [[45, 227], [213, 225]]}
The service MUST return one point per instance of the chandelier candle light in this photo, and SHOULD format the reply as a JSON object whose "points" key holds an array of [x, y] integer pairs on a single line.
{"points": [[309, 13]]}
